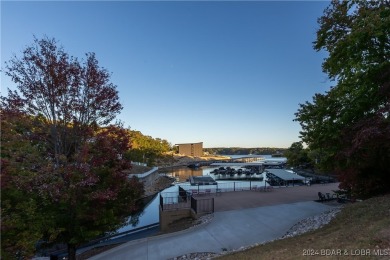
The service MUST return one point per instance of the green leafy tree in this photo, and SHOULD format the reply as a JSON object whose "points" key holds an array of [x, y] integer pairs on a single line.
{"points": [[356, 34], [22, 222], [66, 159], [296, 155], [145, 148]]}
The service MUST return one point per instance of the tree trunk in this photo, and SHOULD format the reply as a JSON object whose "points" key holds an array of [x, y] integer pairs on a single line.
{"points": [[71, 252]]}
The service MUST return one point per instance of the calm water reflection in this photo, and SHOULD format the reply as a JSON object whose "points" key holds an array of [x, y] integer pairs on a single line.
{"points": [[183, 174], [150, 214]]}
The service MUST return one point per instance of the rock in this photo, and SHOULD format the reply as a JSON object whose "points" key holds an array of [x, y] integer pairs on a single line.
{"points": [[312, 223]]}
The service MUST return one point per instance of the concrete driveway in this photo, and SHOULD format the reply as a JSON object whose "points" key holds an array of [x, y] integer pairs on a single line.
{"points": [[228, 230]]}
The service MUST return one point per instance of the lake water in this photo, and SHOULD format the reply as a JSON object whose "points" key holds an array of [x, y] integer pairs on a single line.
{"points": [[150, 213], [183, 174]]}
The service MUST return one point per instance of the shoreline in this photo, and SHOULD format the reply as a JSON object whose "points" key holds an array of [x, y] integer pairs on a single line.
{"points": [[179, 160]]}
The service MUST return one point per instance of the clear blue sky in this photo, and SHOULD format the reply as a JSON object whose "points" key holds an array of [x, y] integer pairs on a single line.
{"points": [[224, 73]]}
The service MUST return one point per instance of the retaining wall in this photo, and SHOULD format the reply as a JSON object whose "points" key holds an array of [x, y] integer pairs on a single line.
{"points": [[147, 177]]}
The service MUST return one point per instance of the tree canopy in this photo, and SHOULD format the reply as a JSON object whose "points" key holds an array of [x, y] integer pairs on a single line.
{"points": [[63, 92], [348, 126], [146, 149], [62, 163], [297, 156]]}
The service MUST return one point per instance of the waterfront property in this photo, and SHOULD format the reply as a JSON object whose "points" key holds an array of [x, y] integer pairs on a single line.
{"points": [[183, 175], [176, 203], [187, 203]]}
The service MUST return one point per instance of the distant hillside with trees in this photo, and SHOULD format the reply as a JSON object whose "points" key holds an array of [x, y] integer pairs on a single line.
{"points": [[244, 151], [146, 149]]}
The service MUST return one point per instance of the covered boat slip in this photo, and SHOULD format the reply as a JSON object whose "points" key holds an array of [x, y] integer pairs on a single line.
{"points": [[237, 164], [202, 180], [285, 174], [260, 164], [281, 176], [275, 175]]}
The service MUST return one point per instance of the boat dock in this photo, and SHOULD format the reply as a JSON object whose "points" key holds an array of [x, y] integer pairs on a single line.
{"points": [[281, 176], [202, 180]]}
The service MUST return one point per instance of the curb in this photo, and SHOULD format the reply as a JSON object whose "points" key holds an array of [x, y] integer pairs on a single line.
{"points": [[141, 240]]}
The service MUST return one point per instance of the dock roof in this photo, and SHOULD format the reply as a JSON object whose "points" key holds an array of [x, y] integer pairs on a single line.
{"points": [[285, 175], [241, 164], [237, 164], [202, 180]]}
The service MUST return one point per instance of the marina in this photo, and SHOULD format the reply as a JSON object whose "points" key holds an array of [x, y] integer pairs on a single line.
{"points": [[205, 185], [216, 179], [239, 176]]}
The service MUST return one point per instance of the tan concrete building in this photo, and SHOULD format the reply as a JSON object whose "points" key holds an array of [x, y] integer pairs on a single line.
{"points": [[191, 149]]}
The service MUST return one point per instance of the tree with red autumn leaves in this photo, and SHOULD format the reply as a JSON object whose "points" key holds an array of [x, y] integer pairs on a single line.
{"points": [[62, 164]]}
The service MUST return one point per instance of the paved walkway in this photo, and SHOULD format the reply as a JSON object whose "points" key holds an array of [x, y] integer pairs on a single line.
{"points": [[242, 219], [282, 195]]}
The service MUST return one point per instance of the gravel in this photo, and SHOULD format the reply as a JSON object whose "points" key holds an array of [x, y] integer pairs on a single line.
{"points": [[312, 223]]}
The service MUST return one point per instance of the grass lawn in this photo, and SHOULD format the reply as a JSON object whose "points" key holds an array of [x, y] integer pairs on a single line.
{"points": [[360, 231]]}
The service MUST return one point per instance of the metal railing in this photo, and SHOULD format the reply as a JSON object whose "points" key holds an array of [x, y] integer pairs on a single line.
{"points": [[184, 200], [175, 200], [224, 187]]}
